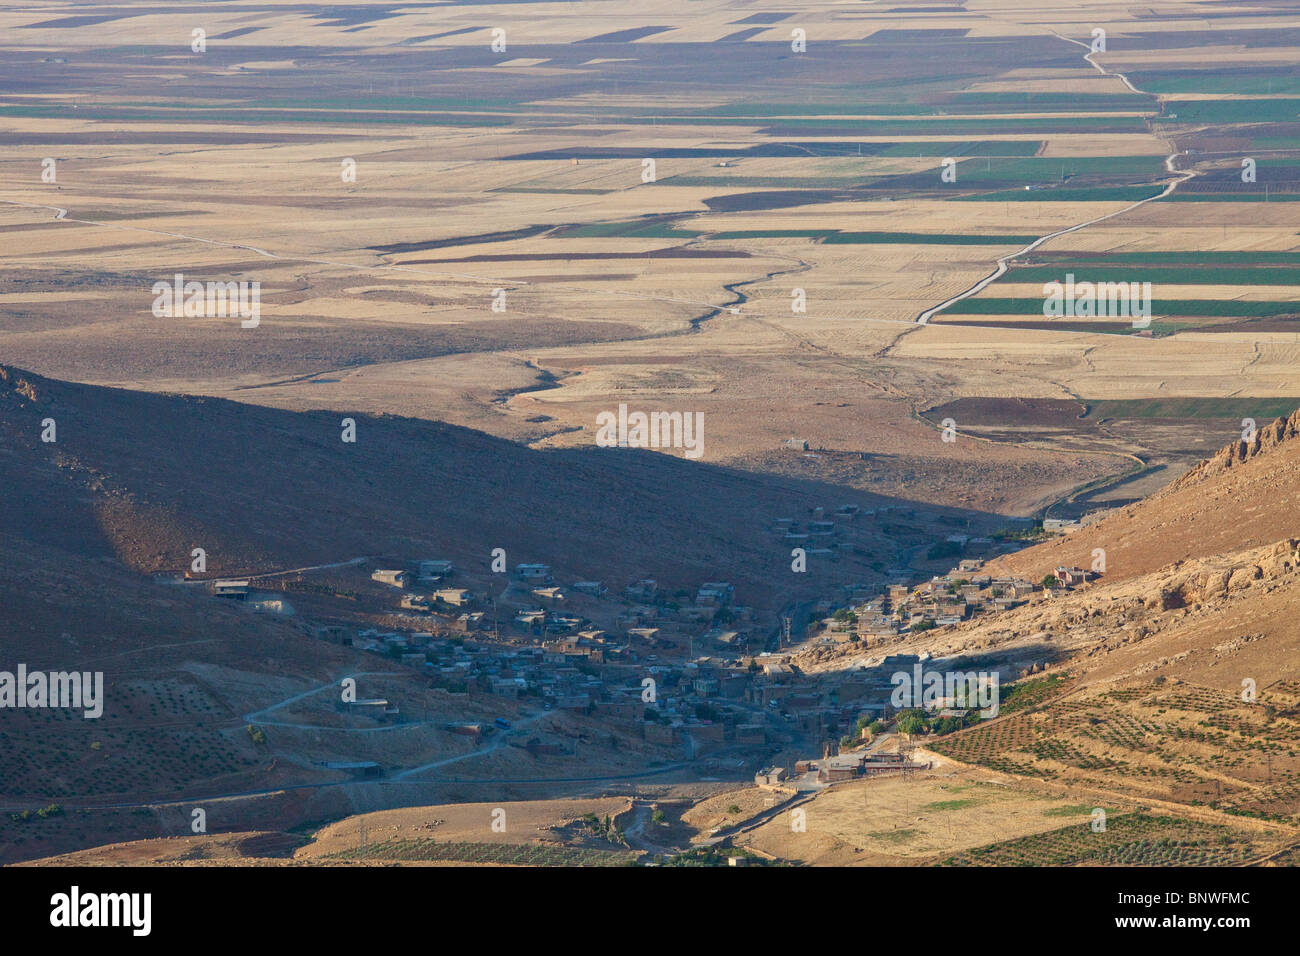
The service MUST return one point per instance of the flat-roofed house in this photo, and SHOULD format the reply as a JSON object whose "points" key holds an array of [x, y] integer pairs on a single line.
{"points": [[533, 572], [390, 576], [1060, 525], [231, 589], [414, 602], [1072, 577], [456, 597]]}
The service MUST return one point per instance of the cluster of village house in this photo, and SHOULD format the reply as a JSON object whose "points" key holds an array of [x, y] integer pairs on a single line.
{"points": [[650, 619], [827, 534], [705, 703], [946, 599], [714, 684], [703, 692], [710, 688]]}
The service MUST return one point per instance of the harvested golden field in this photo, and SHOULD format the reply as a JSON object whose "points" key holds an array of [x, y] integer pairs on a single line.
{"points": [[301, 304], [518, 822], [902, 821]]}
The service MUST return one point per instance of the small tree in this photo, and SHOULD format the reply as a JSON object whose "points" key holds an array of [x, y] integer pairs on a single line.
{"points": [[946, 725], [912, 722]]}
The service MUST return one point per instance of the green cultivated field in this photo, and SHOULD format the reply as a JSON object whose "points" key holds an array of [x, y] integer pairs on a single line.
{"points": [[1161, 307], [1190, 275], [946, 126], [1051, 102], [1244, 82], [1040, 169], [774, 234], [1234, 111], [1232, 197], [926, 238], [1084, 194], [1160, 258], [960, 102], [626, 230]]}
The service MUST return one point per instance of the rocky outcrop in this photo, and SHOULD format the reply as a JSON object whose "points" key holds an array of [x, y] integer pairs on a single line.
{"points": [[1239, 452], [1200, 582]]}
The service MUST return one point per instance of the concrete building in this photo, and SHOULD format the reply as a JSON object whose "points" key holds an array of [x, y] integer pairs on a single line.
{"points": [[231, 589], [533, 572]]}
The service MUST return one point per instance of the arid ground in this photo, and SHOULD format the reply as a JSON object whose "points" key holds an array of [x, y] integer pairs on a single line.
{"points": [[825, 229]]}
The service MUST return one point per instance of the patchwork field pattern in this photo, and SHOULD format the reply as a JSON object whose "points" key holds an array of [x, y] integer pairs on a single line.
{"points": [[840, 236]]}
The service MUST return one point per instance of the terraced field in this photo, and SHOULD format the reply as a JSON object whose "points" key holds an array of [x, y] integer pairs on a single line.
{"points": [[476, 249], [1188, 743], [1136, 839]]}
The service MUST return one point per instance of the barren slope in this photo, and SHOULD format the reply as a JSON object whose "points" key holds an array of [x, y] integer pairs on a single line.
{"points": [[147, 478], [1245, 496]]}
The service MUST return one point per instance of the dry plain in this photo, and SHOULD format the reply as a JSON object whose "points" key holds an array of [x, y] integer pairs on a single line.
{"points": [[670, 207]]}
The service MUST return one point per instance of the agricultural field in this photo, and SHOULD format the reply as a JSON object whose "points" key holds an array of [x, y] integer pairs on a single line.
{"points": [[481, 854], [537, 191], [967, 818], [532, 833], [1133, 839], [1185, 743], [476, 230]]}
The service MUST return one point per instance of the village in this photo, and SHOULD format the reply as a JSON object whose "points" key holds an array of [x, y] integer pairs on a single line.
{"points": [[947, 600], [693, 671]]}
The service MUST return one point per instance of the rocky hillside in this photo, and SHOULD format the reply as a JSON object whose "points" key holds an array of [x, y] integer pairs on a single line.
{"points": [[1245, 496], [1234, 454]]}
